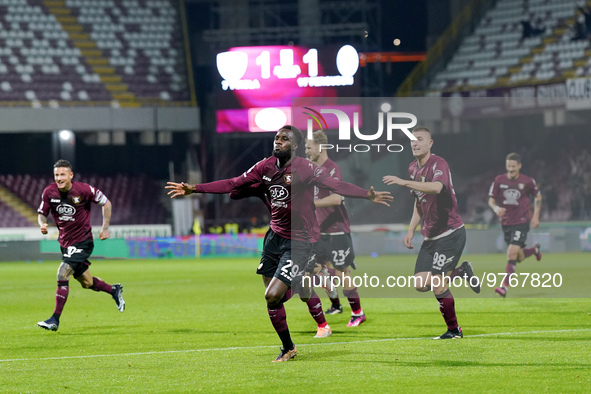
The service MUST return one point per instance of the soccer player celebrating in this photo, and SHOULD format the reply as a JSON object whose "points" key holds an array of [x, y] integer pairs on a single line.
{"points": [[69, 203], [289, 181], [509, 197], [443, 229], [314, 303], [335, 245]]}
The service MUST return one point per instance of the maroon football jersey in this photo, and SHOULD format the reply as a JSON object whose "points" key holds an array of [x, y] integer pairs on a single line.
{"points": [[440, 211], [514, 195], [331, 219], [71, 210], [291, 190]]}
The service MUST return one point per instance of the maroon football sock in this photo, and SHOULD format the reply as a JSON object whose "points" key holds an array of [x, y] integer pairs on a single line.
{"points": [[528, 252], [61, 296], [510, 269], [331, 271], [279, 321], [315, 309], [447, 309], [286, 296], [335, 302], [99, 285], [456, 272], [353, 298]]}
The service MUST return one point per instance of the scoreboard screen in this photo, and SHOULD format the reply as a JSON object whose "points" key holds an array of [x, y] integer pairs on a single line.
{"points": [[258, 83]]}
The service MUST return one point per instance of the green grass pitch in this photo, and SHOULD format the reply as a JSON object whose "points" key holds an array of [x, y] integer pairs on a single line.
{"points": [[203, 326]]}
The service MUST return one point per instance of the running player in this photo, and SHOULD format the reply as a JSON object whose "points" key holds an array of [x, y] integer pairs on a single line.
{"points": [[443, 229], [314, 303], [335, 246], [289, 182], [69, 203], [509, 197]]}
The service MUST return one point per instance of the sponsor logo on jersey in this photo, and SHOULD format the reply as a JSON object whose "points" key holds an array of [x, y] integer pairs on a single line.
{"points": [[437, 174], [266, 178], [521, 186], [288, 178], [66, 209], [278, 193], [318, 171], [66, 212], [55, 200], [504, 186], [511, 197], [76, 199]]}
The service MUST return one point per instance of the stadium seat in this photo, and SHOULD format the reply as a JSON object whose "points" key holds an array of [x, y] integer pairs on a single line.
{"points": [[119, 189], [496, 53], [41, 52]]}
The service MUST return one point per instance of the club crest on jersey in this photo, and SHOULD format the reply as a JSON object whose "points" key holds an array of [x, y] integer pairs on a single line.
{"points": [[76, 199], [521, 186], [423, 178], [287, 178]]}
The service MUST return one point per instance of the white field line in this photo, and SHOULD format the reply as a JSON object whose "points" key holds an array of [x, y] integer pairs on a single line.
{"points": [[495, 334]]}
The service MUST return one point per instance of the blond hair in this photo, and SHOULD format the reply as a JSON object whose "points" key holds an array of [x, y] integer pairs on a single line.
{"points": [[319, 137]]}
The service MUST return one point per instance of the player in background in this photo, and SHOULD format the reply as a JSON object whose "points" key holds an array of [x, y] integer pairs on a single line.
{"points": [[509, 198], [69, 203], [335, 245], [443, 229], [287, 250], [314, 303]]}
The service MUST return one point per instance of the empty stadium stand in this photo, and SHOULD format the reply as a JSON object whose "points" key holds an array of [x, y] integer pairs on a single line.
{"points": [[112, 52], [498, 54], [125, 192]]}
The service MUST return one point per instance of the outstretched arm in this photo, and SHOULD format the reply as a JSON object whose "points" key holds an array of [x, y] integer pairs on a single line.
{"points": [[379, 197], [329, 201], [42, 220], [425, 187], [217, 187], [179, 189], [350, 190], [105, 233]]}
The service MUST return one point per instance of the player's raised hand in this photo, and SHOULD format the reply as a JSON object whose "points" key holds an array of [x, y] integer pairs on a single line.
{"points": [[104, 234], [379, 197], [393, 180], [179, 189]]}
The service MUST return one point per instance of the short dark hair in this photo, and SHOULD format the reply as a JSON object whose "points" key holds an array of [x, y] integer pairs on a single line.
{"points": [[297, 134], [514, 156], [422, 128], [62, 163]]}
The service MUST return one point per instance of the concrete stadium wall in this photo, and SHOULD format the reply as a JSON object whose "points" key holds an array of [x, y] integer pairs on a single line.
{"points": [[99, 118]]}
